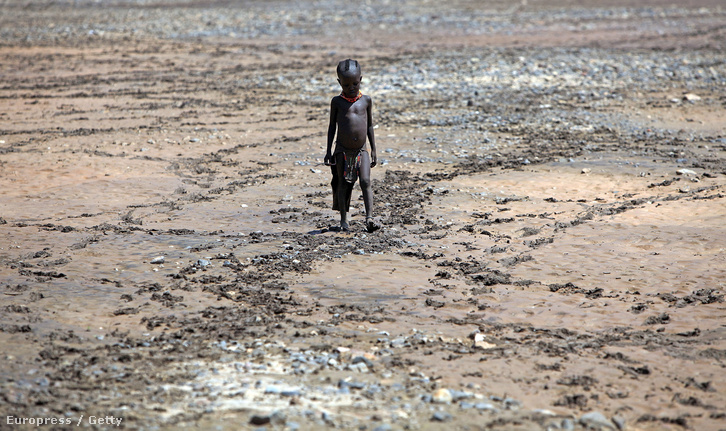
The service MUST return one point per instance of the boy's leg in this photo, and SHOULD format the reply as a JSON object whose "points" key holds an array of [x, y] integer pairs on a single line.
{"points": [[342, 191], [364, 174]]}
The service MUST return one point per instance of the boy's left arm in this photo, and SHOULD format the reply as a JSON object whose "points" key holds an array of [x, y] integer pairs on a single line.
{"points": [[371, 136]]}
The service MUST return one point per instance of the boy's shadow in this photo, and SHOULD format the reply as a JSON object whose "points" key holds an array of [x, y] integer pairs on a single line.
{"points": [[337, 229], [324, 230]]}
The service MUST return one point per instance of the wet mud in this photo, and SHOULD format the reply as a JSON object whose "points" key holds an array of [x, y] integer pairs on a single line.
{"points": [[551, 190]]}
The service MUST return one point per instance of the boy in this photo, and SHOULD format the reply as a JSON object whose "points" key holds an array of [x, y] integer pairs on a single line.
{"points": [[350, 114]]}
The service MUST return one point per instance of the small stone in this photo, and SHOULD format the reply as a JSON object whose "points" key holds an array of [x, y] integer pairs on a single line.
{"points": [[586, 170], [686, 172], [360, 367], [466, 405], [596, 420], [512, 404], [278, 418], [442, 396], [398, 342], [157, 260], [480, 342], [260, 420], [442, 417], [365, 359], [203, 262], [567, 424], [485, 406], [690, 97], [290, 393], [460, 395]]}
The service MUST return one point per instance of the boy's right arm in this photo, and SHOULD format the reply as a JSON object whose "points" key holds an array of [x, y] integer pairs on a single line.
{"points": [[331, 132]]}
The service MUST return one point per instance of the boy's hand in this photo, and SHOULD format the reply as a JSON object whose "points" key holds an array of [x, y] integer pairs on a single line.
{"points": [[327, 159], [374, 159]]}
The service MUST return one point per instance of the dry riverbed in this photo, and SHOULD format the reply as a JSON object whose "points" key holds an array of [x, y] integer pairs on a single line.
{"points": [[551, 190]]}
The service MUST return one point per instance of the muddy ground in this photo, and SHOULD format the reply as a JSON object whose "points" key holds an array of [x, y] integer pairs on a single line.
{"points": [[551, 189]]}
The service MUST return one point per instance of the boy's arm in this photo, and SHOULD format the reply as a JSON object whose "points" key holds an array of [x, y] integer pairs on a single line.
{"points": [[331, 131], [371, 136]]}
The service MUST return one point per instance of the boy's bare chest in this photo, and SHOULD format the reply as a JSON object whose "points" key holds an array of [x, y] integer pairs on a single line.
{"points": [[352, 112]]}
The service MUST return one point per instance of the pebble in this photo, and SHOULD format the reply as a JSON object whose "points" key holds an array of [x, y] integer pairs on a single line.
{"points": [[442, 396], [512, 404], [360, 367], [442, 417], [260, 419], [567, 424], [690, 97], [480, 342], [278, 418], [157, 260], [596, 420], [686, 172], [485, 407], [460, 395], [362, 359]]}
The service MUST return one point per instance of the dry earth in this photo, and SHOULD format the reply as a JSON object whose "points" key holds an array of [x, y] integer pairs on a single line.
{"points": [[551, 191]]}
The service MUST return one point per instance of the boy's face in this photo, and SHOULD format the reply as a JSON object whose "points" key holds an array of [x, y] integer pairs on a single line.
{"points": [[350, 83]]}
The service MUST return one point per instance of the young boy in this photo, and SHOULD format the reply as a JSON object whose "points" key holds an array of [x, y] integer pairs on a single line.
{"points": [[350, 114]]}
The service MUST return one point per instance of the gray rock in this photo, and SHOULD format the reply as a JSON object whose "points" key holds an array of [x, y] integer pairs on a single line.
{"points": [[362, 359], [597, 421], [686, 172], [512, 404], [460, 395], [278, 418], [485, 406], [441, 417], [567, 424]]}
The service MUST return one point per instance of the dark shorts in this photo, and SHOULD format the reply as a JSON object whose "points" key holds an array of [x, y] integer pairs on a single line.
{"points": [[350, 160]]}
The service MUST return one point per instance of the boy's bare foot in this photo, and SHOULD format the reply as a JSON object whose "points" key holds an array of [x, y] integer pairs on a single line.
{"points": [[344, 227], [371, 225]]}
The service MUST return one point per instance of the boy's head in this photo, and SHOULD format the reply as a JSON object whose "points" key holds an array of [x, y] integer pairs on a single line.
{"points": [[349, 77], [348, 68]]}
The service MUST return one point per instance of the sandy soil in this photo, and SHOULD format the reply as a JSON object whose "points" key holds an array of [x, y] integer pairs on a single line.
{"points": [[551, 191]]}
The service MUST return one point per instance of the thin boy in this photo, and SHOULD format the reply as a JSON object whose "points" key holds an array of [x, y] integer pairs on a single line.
{"points": [[350, 114]]}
